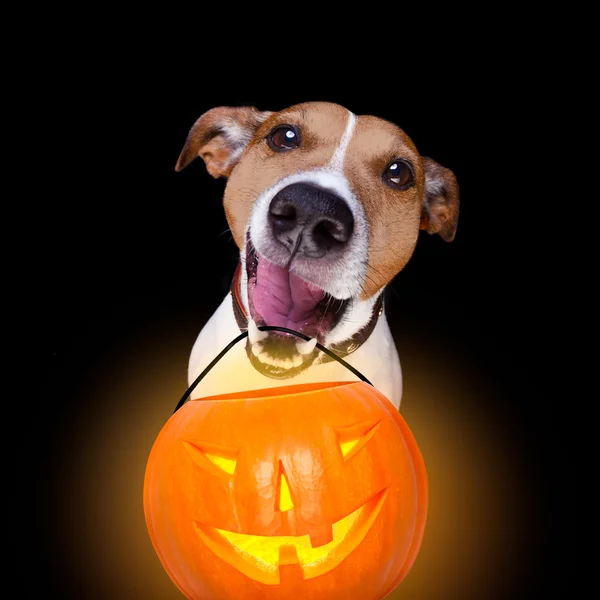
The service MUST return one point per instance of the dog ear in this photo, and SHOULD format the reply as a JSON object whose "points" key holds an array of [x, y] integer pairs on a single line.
{"points": [[441, 200], [219, 137]]}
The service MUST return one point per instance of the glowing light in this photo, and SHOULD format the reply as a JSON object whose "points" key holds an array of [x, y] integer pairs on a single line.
{"points": [[351, 439], [285, 499], [347, 446], [216, 455], [227, 464]]}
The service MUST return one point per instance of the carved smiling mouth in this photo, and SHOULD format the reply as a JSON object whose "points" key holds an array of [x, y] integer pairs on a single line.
{"points": [[278, 296], [269, 559]]}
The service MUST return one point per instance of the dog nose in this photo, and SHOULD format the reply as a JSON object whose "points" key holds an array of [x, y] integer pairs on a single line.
{"points": [[310, 220]]}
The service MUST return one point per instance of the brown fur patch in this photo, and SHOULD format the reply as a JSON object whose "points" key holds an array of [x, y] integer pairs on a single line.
{"points": [[441, 200], [219, 137], [393, 215]]}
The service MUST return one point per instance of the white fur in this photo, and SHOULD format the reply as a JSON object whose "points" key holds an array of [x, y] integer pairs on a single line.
{"points": [[357, 315], [336, 164], [238, 138], [433, 187], [377, 359], [236, 134]]}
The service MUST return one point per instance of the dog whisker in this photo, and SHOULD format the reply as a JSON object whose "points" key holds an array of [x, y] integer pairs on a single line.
{"points": [[361, 282], [377, 272], [389, 285], [252, 191], [293, 253], [329, 300]]}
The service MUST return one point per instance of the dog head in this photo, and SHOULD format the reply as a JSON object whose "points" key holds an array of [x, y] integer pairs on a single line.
{"points": [[325, 207]]}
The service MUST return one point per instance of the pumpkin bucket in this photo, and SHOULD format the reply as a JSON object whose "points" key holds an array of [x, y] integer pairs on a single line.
{"points": [[315, 491]]}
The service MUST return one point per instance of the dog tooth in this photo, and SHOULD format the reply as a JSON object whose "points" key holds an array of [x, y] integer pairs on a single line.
{"points": [[288, 363], [306, 347], [254, 333], [257, 348], [297, 360]]}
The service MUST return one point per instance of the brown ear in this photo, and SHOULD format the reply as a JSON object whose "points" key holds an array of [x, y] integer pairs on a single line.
{"points": [[219, 137], [440, 201]]}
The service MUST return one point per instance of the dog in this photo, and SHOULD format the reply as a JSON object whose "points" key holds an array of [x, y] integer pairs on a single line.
{"points": [[325, 207]]}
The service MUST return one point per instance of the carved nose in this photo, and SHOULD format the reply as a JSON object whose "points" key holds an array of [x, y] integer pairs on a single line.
{"points": [[310, 219]]}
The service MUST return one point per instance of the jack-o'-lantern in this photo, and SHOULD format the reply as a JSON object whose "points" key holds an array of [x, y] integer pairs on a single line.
{"points": [[314, 492]]}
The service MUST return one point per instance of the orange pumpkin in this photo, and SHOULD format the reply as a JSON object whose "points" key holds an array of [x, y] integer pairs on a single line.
{"points": [[314, 491]]}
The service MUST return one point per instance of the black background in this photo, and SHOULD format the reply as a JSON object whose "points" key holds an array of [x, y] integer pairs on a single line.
{"points": [[123, 242]]}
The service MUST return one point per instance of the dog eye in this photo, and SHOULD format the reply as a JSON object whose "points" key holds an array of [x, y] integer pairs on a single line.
{"points": [[399, 175], [283, 138]]}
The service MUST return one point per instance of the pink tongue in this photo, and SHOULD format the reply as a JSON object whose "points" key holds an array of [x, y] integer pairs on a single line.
{"points": [[281, 298]]}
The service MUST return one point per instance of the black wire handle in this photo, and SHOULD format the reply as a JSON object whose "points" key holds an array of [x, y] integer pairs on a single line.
{"points": [[264, 328]]}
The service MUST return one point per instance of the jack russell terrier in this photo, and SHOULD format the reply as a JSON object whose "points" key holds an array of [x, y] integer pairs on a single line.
{"points": [[325, 208]]}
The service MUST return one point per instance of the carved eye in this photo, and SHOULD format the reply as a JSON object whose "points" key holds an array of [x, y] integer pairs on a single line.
{"points": [[352, 439], [214, 458], [348, 445], [283, 138], [399, 175], [224, 463]]}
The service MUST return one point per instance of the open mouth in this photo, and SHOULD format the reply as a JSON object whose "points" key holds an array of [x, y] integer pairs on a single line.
{"points": [[268, 558], [279, 297]]}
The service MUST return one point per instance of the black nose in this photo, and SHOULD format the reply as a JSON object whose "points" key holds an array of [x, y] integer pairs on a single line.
{"points": [[309, 219]]}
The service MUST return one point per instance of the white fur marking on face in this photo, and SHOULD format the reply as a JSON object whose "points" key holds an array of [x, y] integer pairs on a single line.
{"points": [[336, 163], [343, 278]]}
